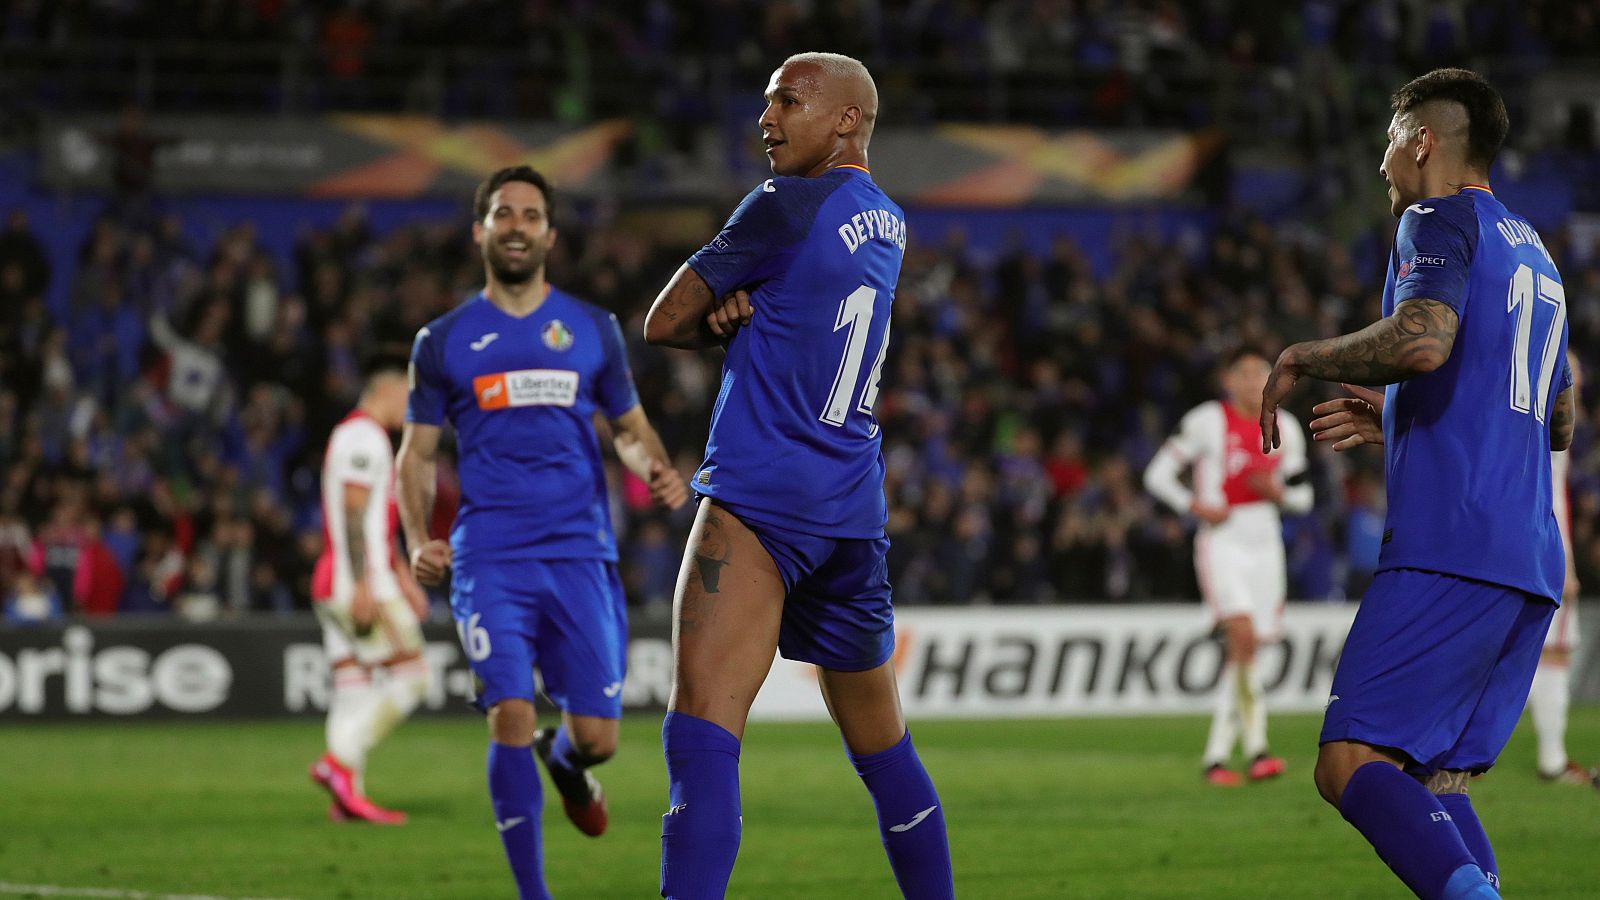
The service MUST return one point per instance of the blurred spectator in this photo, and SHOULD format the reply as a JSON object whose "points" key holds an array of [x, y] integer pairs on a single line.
{"points": [[29, 601], [16, 544], [133, 163], [98, 581], [24, 267]]}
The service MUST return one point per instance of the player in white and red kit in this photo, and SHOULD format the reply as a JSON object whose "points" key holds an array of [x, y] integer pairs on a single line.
{"points": [[368, 601], [1236, 493], [1551, 694]]}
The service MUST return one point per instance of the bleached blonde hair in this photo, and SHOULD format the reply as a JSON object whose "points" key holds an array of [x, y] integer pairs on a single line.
{"points": [[844, 68]]}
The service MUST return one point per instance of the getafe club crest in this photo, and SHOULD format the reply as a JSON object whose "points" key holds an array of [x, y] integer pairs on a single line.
{"points": [[557, 336]]}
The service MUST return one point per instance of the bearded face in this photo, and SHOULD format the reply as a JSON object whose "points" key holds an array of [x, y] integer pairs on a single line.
{"points": [[515, 234]]}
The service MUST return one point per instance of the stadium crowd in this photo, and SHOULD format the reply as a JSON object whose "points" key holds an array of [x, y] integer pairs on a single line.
{"points": [[1144, 62], [161, 441]]}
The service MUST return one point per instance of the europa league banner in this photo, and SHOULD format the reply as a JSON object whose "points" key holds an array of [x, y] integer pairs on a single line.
{"points": [[398, 157]]}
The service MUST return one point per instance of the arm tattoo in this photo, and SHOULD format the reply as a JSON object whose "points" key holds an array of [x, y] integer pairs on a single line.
{"points": [[1414, 340], [1448, 781], [685, 307], [1564, 420], [355, 539]]}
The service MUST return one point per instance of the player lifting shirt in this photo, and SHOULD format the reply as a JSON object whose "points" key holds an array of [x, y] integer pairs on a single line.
{"points": [[788, 547]]}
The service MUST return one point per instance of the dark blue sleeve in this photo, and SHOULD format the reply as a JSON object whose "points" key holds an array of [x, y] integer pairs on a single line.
{"points": [[758, 237], [614, 386], [425, 405], [1566, 375], [1434, 248]]}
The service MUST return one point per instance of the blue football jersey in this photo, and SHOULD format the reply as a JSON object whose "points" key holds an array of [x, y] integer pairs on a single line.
{"points": [[522, 394], [793, 441], [1467, 446]]}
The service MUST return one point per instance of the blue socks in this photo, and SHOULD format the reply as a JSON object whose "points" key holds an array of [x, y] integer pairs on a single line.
{"points": [[1412, 833], [700, 832], [563, 755], [1459, 806], [518, 798], [910, 820]]}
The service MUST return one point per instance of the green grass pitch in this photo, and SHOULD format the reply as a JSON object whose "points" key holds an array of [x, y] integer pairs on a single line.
{"points": [[1107, 808]]}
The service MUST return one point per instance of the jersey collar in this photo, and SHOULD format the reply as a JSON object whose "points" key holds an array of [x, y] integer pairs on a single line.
{"points": [[853, 166], [1476, 187]]}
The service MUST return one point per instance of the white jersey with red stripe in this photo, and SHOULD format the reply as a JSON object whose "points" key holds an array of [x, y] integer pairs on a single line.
{"points": [[1221, 448], [359, 452], [1239, 561], [1564, 627]]}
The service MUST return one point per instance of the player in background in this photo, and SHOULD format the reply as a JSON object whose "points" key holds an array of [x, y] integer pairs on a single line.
{"points": [[1436, 669], [1238, 551], [788, 547], [1551, 695], [522, 370], [369, 605]]}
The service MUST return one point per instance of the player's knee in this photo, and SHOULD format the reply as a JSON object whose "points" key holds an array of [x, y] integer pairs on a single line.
{"points": [[1240, 641], [1336, 762], [713, 705], [511, 722], [1330, 780], [595, 747]]}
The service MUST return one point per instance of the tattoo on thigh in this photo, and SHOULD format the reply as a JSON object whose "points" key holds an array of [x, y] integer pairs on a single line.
{"points": [[706, 559], [1448, 781], [710, 571]]}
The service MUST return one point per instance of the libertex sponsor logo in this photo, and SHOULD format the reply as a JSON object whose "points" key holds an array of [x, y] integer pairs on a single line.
{"points": [[526, 387]]}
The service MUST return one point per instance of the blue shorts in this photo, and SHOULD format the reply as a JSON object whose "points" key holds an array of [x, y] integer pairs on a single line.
{"points": [[1438, 667], [566, 616], [837, 614]]}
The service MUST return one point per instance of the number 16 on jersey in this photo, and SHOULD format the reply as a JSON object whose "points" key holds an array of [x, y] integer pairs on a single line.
{"points": [[855, 313]]}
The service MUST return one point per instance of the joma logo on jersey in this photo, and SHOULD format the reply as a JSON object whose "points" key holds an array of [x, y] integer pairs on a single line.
{"points": [[526, 387]]}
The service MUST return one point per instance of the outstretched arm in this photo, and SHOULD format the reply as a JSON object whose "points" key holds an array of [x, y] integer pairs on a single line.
{"points": [[1414, 340]]}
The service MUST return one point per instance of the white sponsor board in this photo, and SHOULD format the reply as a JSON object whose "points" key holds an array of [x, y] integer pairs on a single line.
{"points": [[1076, 660]]}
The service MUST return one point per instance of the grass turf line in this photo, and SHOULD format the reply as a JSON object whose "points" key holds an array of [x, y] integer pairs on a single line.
{"points": [[1088, 808]]}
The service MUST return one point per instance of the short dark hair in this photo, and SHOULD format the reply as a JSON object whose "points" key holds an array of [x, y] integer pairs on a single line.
{"points": [[384, 361], [1241, 351], [480, 200], [1487, 123]]}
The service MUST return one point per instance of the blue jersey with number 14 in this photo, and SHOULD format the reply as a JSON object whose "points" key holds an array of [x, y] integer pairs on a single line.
{"points": [[1467, 446], [793, 441]]}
